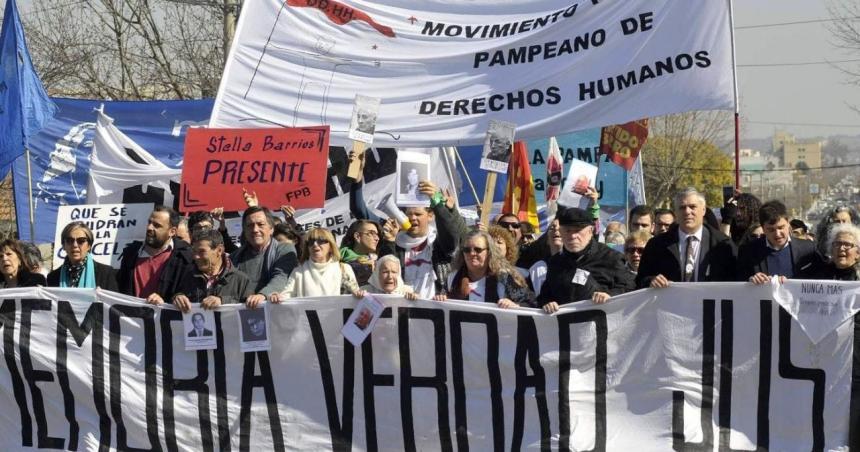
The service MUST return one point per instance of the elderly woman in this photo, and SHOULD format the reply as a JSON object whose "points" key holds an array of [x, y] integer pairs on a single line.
{"points": [[80, 269], [838, 215], [634, 246], [320, 272], [842, 245], [13, 268], [386, 279], [481, 273]]}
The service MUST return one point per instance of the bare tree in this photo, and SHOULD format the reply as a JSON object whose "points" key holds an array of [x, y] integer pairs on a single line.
{"points": [[127, 49], [680, 145], [845, 28]]}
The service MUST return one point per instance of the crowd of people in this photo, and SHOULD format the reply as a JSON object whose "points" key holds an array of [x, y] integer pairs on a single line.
{"points": [[192, 260]]}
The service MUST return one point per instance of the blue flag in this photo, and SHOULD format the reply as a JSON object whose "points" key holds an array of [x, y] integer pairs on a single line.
{"points": [[24, 104]]}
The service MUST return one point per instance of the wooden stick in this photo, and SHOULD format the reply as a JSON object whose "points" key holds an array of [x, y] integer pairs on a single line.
{"points": [[356, 166], [487, 205]]}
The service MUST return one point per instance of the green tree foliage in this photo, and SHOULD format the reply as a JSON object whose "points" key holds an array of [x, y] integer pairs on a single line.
{"points": [[706, 168]]}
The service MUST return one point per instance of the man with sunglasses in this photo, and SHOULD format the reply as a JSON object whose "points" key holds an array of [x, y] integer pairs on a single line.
{"points": [[585, 268], [511, 222], [152, 269]]}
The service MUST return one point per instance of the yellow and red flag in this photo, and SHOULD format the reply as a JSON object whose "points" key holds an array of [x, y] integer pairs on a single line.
{"points": [[520, 192], [623, 142]]}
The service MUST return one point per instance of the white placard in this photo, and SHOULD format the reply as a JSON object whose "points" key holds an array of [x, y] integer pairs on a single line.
{"points": [[412, 168], [113, 225], [363, 121], [363, 319], [580, 176], [498, 147], [200, 331]]}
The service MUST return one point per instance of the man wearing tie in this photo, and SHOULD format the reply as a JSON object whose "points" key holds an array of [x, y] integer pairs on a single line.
{"points": [[199, 323], [690, 251]]}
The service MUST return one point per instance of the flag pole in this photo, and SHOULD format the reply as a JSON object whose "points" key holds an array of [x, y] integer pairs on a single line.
{"points": [[29, 196], [466, 173], [737, 107]]}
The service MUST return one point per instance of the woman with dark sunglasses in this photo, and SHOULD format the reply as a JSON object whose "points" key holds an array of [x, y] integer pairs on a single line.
{"points": [[79, 269], [480, 272], [634, 246], [320, 272]]}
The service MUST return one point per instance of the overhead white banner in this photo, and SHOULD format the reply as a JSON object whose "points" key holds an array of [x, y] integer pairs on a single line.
{"points": [[444, 69], [705, 367]]}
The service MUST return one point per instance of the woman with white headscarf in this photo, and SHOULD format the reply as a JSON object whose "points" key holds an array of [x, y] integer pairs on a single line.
{"points": [[386, 279]]}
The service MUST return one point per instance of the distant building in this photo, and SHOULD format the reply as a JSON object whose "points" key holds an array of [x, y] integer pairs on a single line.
{"points": [[807, 152], [780, 139]]}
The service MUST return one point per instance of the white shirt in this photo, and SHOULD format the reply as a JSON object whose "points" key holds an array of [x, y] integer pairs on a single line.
{"points": [[682, 249]]}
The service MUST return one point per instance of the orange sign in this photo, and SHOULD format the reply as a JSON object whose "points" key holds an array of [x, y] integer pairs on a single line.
{"points": [[283, 166]]}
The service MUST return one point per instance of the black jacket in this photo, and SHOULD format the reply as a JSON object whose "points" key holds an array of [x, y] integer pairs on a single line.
{"points": [[752, 257], [26, 279], [179, 258], [606, 273], [662, 257], [450, 227], [105, 277], [232, 286]]}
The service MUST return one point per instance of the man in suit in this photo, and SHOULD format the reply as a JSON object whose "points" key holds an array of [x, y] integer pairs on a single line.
{"points": [[199, 323], [690, 250], [775, 254]]}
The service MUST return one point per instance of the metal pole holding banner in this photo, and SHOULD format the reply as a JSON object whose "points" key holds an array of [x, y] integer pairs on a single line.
{"points": [[737, 107], [30, 197], [466, 173]]}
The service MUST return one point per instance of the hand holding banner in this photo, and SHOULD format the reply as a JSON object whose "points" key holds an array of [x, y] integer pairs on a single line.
{"points": [[284, 166]]}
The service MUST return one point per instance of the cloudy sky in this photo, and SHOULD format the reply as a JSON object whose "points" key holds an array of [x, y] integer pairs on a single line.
{"points": [[809, 94]]}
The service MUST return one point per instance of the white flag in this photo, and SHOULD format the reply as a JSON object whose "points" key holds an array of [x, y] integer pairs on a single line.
{"points": [[443, 70], [123, 172]]}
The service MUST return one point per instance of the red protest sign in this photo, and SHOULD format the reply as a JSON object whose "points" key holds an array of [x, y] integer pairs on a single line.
{"points": [[283, 166], [623, 142]]}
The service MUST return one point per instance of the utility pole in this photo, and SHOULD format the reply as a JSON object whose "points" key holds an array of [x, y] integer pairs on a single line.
{"points": [[230, 13]]}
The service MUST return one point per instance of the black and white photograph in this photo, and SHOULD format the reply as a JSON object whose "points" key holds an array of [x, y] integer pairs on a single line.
{"points": [[254, 328], [363, 122], [498, 145], [200, 329], [412, 167]]}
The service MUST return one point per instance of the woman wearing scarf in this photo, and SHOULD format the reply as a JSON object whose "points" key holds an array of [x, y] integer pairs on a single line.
{"points": [[320, 272], [386, 279], [80, 269], [481, 273], [13, 269]]}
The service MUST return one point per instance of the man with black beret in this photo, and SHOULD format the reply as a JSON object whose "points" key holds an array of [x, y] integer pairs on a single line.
{"points": [[585, 268]]}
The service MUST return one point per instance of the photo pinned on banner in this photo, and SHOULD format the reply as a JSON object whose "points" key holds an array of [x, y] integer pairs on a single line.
{"points": [[365, 112], [412, 168], [254, 328], [363, 319], [580, 176], [200, 331], [498, 146]]}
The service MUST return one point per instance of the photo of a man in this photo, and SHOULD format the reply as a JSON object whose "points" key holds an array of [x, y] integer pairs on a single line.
{"points": [[363, 319], [199, 329]]}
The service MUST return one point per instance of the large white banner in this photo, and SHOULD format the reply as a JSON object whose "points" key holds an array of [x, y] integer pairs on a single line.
{"points": [[444, 68], [703, 367]]}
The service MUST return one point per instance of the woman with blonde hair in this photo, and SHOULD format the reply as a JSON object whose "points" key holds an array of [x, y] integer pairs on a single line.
{"points": [[480, 272], [79, 269], [320, 272]]}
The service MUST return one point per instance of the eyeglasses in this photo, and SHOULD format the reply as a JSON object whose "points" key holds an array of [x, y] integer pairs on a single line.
{"points": [[634, 249], [370, 233], [319, 242], [473, 249], [843, 245], [509, 225], [72, 240]]}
